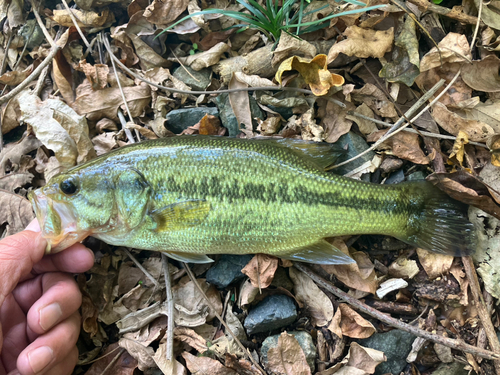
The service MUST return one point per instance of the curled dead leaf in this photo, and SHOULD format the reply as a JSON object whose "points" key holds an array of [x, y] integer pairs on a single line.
{"points": [[352, 324], [16, 212], [314, 71], [287, 358], [261, 270], [434, 264]]}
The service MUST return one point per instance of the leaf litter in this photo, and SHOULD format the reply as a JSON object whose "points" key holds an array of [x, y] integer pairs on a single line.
{"points": [[355, 68]]}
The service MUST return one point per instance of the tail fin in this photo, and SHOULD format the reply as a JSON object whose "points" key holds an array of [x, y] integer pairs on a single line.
{"points": [[439, 223]]}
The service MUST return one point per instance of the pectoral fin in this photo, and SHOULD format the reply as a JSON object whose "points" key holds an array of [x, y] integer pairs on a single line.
{"points": [[181, 215], [189, 257], [321, 252]]}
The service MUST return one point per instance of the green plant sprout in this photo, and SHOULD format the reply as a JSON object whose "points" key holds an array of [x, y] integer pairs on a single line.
{"points": [[274, 19]]}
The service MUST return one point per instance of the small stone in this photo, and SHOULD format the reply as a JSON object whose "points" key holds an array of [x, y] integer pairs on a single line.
{"points": [[227, 270], [181, 119], [197, 80], [305, 341], [272, 313], [390, 164], [355, 146], [396, 346], [416, 176], [395, 178]]}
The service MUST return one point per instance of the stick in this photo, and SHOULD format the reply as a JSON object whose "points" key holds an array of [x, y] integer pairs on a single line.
{"points": [[482, 311], [139, 265], [425, 6], [454, 344], [170, 310]]}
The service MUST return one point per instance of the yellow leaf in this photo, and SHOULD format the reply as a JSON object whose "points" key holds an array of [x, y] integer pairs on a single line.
{"points": [[314, 72], [458, 150]]}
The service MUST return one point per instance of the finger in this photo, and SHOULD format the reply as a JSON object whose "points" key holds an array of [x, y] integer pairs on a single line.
{"points": [[18, 254], [48, 299], [75, 259], [50, 348], [66, 366]]}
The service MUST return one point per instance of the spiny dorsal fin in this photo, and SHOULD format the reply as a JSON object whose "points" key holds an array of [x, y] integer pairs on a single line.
{"points": [[180, 215], [320, 252], [321, 153]]}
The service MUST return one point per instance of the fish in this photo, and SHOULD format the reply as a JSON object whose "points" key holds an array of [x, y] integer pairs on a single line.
{"points": [[192, 196]]}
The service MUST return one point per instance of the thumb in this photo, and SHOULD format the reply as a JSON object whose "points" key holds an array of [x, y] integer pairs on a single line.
{"points": [[18, 254]]}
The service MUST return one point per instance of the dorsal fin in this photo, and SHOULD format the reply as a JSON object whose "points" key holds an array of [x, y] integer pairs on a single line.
{"points": [[322, 154]]}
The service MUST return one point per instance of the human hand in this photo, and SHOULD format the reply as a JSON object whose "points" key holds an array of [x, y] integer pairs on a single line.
{"points": [[39, 302]]}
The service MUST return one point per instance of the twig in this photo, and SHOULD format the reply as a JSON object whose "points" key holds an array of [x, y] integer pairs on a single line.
{"points": [[218, 92], [170, 310], [425, 6], [398, 126], [41, 80], [139, 265], [476, 30], [446, 341], [42, 26], [112, 363], [482, 310], [420, 132], [75, 22], [4, 61], [123, 122], [228, 330]]}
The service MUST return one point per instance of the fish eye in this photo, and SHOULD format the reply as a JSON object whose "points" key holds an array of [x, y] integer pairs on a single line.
{"points": [[69, 186]]}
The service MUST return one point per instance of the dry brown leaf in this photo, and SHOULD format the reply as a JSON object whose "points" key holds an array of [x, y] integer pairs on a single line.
{"points": [[270, 125], [316, 302], [261, 270], [205, 365], [360, 275], [453, 48], [187, 296], [365, 126], [143, 354], [335, 122], [365, 359], [247, 294], [105, 142], [313, 71], [13, 181], [164, 12], [253, 80], [104, 103], [493, 144], [403, 268], [85, 18], [240, 104], [205, 59], [451, 122], [16, 212], [363, 43], [167, 367], [404, 145], [124, 365], [482, 75], [63, 76], [287, 358], [148, 58], [434, 264], [242, 366], [375, 99], [96, 74], [58, 127], [354, 325], [15, 77], [191, 338]]}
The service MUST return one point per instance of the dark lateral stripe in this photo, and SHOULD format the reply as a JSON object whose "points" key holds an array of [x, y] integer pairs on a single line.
{"points": [[211, 187]]}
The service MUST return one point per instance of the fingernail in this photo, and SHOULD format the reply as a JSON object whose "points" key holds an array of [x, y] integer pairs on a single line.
{"points": [[34, 226], [39, 358], [49, 316]]}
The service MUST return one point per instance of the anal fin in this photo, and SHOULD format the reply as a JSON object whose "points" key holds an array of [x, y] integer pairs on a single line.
{"points": [[189, 257], [320, 252]]}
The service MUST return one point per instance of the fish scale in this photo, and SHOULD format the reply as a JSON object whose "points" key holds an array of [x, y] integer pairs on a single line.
{"points": [[195, 195]]}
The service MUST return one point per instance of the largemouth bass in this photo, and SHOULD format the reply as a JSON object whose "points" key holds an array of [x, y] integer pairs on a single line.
{"points": [[189, 196]]}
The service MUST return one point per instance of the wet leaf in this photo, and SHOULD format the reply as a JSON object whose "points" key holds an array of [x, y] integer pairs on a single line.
{"points": [[287, 358], [314, 71], [318, 305], [16, 212], [363, 43]]}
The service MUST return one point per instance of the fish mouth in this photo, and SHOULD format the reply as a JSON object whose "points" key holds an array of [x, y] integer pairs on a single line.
{"points": [[57, 222]]}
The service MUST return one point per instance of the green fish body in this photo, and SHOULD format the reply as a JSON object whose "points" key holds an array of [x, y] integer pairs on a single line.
{"points": [[190, 196]]}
